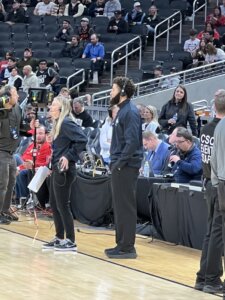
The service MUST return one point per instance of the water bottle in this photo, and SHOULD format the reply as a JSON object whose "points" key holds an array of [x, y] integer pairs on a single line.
{"points": [[175, 117], [146, 169]]}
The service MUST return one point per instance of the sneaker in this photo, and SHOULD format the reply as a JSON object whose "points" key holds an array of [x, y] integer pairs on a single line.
{"points": [[4, 220], [213, 289], [52, 243], [199, 285], [109, 250], [66, 245], [10, 216], [121, 254]]}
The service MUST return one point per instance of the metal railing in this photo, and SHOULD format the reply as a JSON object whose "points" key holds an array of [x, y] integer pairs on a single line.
{"points": [[200, 105], [77, 85], [170, 25], [196, 9], [159, 84], [126, 55]]}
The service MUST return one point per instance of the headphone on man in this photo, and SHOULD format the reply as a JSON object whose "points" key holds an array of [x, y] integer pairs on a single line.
{"points": [[123, 93]]}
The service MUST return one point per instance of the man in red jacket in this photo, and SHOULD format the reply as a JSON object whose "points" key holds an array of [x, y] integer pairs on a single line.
{"points": [[42, 159]]}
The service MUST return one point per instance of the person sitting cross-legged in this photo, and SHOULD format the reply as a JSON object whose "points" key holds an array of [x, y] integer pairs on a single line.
{"points": [[43, 156]]}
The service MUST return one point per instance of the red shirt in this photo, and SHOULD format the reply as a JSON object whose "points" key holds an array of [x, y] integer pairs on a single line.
{"points": [[43, 155]]}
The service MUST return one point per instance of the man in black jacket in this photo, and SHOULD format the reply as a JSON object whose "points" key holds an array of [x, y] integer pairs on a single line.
{"points": [[79, 112], [126, 154], [9, 140], [117, 24], [65, 32], [208, 277], [16, 14]]}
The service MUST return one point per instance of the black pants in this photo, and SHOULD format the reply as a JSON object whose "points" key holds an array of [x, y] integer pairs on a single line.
{"points": [[211, 268], [7, 180], [97, 66], [60, 190], [124, 183]]}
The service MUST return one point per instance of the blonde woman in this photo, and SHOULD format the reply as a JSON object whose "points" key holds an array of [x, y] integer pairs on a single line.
{"points": [[150, 119], [68, 141]]}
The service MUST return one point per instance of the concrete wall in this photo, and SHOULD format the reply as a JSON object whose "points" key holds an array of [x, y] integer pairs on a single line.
{"points": [[204, 89]]}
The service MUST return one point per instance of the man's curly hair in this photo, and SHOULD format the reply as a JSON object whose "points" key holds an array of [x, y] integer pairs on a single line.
{"points": [[126, 84]]}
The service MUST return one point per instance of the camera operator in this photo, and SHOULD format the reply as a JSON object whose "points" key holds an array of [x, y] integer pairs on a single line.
{"points": [[68, 141], [10, 121]]}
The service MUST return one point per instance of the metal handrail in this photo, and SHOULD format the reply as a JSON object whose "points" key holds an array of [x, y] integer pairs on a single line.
{"points": [[170, 26], [197, 9], [142, 88], [79, 83], [200, 105], [126, 55]]}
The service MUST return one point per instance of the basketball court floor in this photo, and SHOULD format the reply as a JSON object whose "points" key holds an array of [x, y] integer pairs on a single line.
{"points": [[161, 271]]}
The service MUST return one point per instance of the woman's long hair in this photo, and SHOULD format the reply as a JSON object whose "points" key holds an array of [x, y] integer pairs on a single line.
{"points": [[66, 111], [183, 102]]}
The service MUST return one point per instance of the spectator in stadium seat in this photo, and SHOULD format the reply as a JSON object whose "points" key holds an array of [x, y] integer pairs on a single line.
{"points": [[216, 18], [73, 49], [117, 24], [209, 37], [47, 76], [136, 16], [199, 55], [65, 32], [27, 60], [84, 31], [208, 27], [110, 7], [15, 79], [141, 109], [44, 8], [177, 112], [75, 8], [97, 8], [172, 81], [192, 44], [4, 61], [59, 8], [213, 54], [16, 14], [152, 19], [5, 73], [80, 113], [30, 79], [150, 119], [96, 52], [188, 160]]}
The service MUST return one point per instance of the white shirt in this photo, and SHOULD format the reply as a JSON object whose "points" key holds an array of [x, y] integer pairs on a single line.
{"points": [[105, 138], [220, 55], [43, 9], [191, 45]]}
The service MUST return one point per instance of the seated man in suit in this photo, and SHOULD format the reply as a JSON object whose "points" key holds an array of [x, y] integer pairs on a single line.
{"points": [[157, 151], [187, 161]]}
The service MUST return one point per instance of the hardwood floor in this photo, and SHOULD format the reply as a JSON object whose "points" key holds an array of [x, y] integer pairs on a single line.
{"points": [[27, 271]]}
